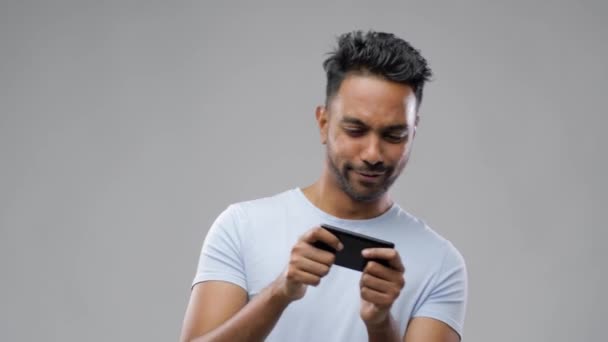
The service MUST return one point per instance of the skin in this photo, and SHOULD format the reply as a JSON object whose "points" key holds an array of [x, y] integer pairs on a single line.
{"points": [[368, 130]]}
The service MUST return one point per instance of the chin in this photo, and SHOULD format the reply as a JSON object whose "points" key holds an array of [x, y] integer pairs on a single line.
{"points": [[365, 195]]}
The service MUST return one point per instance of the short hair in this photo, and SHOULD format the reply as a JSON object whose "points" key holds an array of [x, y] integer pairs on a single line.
{"points": [[379, 54]]}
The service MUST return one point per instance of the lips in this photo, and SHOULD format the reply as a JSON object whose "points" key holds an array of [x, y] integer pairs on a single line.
{"points": [[369, 177], [368, 174]]}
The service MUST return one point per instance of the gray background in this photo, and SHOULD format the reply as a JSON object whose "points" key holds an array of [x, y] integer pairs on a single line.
{"points": [[127, 127]]}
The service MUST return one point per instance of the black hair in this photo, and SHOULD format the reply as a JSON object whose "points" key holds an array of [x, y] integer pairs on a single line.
{"points": [[379, 54]]}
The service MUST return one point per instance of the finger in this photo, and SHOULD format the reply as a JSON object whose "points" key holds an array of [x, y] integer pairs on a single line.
{"points": [[308, 251], [378, 284], [310, 266], [301, 277], [382, 272], [389, 254], [375, 297], [323, 235]]}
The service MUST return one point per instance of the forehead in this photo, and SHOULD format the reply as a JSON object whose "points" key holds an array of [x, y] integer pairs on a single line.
{"points": [[375, 101]]}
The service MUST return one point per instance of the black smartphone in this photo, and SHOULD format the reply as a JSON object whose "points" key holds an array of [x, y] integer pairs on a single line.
{"points": [[350, 256]]}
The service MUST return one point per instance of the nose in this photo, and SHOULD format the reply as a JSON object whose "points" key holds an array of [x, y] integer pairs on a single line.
{"points": [[372, 153]]}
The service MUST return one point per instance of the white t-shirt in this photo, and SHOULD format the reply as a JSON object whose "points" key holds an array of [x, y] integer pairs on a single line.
{"points": [[249, 245]]}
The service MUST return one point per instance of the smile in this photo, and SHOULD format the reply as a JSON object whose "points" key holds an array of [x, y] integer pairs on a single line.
{"points": [[369, 176]]}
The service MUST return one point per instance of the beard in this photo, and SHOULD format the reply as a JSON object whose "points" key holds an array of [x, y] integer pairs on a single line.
{"points": [[363, 191]]}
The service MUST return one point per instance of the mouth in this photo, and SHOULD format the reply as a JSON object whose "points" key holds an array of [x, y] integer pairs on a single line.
{"points": [[369, 176]]}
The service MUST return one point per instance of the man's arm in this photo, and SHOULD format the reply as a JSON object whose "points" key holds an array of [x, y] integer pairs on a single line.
{"points": [[380, 287], [218, 311], [211, 304], [420, 329], [385, 331], [424, 329], [441, 316]]}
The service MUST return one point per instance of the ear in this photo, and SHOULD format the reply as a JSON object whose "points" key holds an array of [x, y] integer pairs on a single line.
{"points": [[323, 122]]}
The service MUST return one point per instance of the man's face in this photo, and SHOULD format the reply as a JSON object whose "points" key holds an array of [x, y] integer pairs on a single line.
{"points": [[368, 129]]}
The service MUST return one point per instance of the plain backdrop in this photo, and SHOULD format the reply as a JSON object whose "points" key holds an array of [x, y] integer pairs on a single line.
{"points": [[126, 127]]}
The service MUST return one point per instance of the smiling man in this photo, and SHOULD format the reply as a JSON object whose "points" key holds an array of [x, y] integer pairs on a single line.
{"points": [[260, 276]]}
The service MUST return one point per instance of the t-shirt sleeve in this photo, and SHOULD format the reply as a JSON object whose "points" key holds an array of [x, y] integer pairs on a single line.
{"points": [[220, 257], [448, 298]]}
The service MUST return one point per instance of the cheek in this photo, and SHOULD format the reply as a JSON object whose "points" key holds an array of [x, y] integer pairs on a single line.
{"points": [[396, 154], [344, 147]]}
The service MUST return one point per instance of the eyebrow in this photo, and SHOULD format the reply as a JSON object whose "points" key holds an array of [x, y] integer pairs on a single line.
{"points": [[355, 121]]}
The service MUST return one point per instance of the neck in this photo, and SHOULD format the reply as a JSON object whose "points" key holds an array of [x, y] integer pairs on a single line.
{"points": [[326, 195]]}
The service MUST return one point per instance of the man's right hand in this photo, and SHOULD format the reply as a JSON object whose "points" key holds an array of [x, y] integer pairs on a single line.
{"points": [[307, 264], [220, 311]]}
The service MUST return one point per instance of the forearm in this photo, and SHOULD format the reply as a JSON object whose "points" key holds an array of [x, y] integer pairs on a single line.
{"points": [[387, 331], [253, 322]]}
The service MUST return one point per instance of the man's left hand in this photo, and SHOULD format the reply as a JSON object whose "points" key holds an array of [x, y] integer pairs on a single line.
{"points": [[380, 285]]}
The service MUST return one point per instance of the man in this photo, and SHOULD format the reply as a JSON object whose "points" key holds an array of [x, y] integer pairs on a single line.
{"points": [[259, 275]]}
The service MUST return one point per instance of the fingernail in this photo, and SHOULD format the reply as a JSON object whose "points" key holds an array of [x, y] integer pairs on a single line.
{"points": [[365, 252], [340, 246]]}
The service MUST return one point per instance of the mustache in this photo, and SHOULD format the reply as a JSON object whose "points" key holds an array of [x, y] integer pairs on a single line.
{"points": [[376, 168]]}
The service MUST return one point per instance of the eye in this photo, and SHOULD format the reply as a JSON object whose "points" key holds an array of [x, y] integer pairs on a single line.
{"points": [[354, 131], [396, 138]]}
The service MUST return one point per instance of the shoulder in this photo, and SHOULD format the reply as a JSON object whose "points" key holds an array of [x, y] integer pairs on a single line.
{"points": [[266, 201], [258, 209], [429, 240], [239, 217], [263, 204]]}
